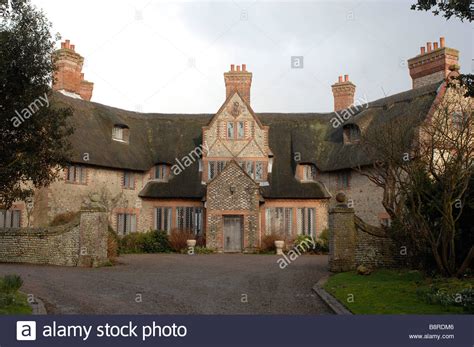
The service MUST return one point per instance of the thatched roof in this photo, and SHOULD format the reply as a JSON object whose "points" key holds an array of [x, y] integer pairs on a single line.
{"points": [[161, 138]]}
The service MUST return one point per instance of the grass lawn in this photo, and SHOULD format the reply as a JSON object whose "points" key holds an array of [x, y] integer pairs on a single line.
{"points": [[12, 301], [393, 292]]}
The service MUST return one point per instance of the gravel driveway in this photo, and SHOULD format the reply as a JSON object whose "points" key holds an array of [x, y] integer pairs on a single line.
{"points": [[179, 284]]}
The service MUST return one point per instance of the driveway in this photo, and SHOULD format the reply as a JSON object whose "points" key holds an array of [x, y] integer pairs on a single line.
{"points": [[179, 284]]}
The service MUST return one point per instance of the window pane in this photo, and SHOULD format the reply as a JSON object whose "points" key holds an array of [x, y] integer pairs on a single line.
{"points": [[167, 219], [82, 174], [121, 223], [159, 219], [212, 169], [249, 168], [300, 221], [70, 173], [133, 223], [241, 130], [8, 218], [310, 228], [230, 130], [259, 170], [16, 219], [288, 221]]}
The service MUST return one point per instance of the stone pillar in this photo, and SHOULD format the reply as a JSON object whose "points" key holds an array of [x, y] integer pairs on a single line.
{"points": [[342, 237], [93, 235]]}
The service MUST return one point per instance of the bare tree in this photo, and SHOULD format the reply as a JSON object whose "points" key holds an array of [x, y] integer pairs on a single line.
{"points": [[424, 166]]}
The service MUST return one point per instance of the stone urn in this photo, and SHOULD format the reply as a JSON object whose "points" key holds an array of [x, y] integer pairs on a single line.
{"points": [[279, 247], [191, 243]]}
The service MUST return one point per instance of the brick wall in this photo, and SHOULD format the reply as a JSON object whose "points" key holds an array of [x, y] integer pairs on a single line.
{"points": [[82, 242], [350, 246]]}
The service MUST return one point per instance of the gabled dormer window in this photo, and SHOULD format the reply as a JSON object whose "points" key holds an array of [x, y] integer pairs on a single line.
{"points": [[162, 172], [351, 134], [120, 133]]}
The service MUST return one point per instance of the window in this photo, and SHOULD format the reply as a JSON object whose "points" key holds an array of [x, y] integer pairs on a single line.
{"points": [[230, 130], [240, 130], [351, 134], [120, 133], [128, 180], [235, 130], [161, 172], [343, 179], [458, 120], [126, 223], [309, 173], [189, 219], [215, 168], [10, 218], [163, 219], [256, 170], [76, 174], [279, 220], [305, 221]]}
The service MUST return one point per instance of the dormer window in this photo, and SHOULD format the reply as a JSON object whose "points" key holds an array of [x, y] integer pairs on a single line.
{"points": [[351, 134], [309, 172], [120, 133], [162, 172]]}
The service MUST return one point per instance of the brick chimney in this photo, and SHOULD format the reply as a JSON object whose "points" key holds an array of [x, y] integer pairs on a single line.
{"points": [[432, 64], [239, 80], [68, 75], [343, 91]]}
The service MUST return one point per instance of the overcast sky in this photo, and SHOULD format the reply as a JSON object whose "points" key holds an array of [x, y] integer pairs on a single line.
{"points": [[154, 56]]}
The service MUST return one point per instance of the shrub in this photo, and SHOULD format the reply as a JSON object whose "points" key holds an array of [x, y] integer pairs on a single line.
{"points": [[64, 218], [149, 242], [178, 238], [314, 246], [10, 283], [202, 250], [156, 242], [445, 297]]}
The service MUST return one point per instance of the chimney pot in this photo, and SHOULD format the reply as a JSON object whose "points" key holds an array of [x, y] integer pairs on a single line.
{"points": [[340, 79], [346, 78], [73, 47], [63, 45], [441, 41], [435, 45], [244, 67], [232, 67], [238, 67], [422, 50], [428, 46]]}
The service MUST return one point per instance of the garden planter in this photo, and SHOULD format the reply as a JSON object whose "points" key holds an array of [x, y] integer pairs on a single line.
{"points": [[279, 247], [191, 243]]}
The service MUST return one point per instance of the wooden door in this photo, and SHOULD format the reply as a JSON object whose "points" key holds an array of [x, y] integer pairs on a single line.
{"points": [[232, 234]]}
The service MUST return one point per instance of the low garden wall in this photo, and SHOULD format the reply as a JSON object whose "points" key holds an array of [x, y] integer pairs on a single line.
{"points": [[353, 243], [82, 242]]}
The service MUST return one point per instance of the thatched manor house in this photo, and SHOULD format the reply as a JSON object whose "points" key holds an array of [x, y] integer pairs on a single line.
{"points": [[232, 176]]}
